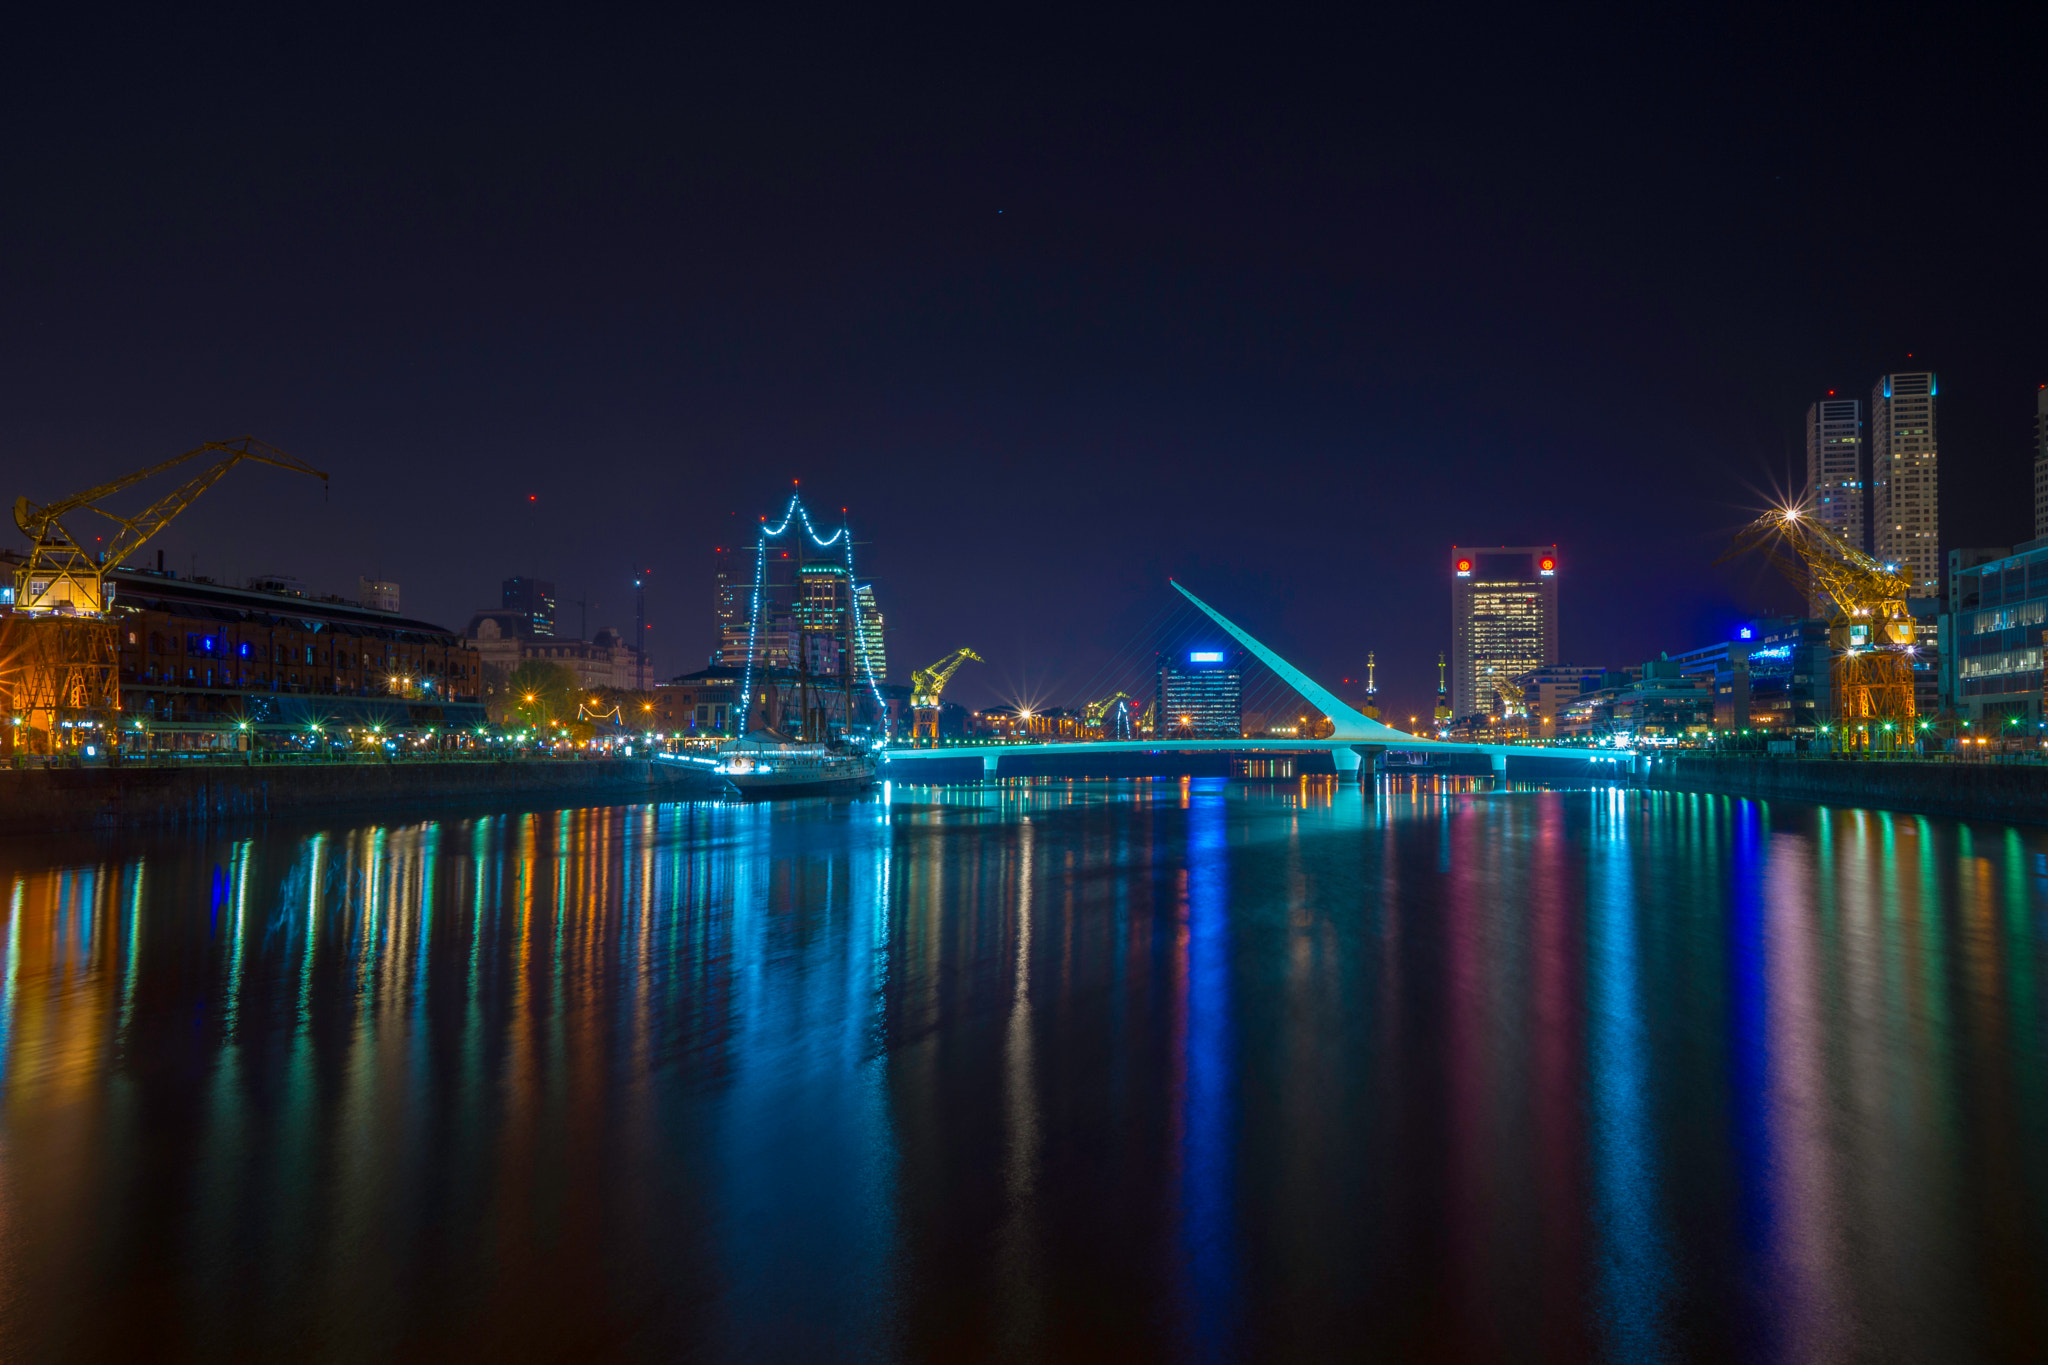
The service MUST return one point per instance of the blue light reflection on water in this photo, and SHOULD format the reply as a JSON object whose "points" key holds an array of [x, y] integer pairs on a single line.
{"points": [[1207, 1215], [1749, 1019], [1633, 1272], [1178, 1070]]}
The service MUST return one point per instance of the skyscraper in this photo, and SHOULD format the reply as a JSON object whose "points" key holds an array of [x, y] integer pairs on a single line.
{"points": [[1503, 622], [534, 600], [872, 657], [1200, 695], [2041, 462], [734, 568], [1904, 463], [731, 580], [823, 611], [1834, 466]]}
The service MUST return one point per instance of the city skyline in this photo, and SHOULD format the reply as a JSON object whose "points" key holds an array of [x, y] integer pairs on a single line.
{"points": [[1120, 341], [774, 684]]}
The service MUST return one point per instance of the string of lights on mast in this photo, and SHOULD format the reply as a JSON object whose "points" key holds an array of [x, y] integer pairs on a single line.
{"points": [[796, 511]]}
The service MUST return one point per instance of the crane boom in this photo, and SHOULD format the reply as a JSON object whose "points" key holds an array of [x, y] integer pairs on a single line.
{"points": [[1815, 557], [927, 683], [61, 575], [1095, 710], [1871, 635]]}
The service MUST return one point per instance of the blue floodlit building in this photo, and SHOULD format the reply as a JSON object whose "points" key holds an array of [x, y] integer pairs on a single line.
{"points": [[1991, 644], [1772, 676], [1200, 694]]}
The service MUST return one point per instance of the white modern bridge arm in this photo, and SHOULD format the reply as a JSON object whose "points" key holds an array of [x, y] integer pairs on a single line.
{"points": [[1350, 723]]}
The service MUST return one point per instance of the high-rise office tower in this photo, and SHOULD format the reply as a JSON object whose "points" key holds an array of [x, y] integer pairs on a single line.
{"points": [[735, 569], [823, 613], [1200, 695], [731, 581], [534, 600], [2041, 462], [1905, 511], [1834, 466], [871, 657], [1503, 621]]}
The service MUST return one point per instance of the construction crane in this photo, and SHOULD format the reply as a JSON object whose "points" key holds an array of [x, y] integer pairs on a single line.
{"points": [[1094, 711], [61, 576], [925, 686], [58, 662], [1509, 697], [1871, 638], [1095, 715]]}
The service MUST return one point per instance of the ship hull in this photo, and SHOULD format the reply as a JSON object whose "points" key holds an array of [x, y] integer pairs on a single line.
{"points": [[839, 779]]}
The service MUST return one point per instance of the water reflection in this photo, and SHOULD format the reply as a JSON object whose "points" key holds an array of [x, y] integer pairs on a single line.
{"points": [[1633, 1265], [1184, 1069]]}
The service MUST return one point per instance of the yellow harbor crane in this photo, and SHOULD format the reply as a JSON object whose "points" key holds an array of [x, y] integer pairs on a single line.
{"points": [[1094, 711], [1870, 632], [57, 651], [1095, 715], [925, 686], [1513, 705], [62, 576]]}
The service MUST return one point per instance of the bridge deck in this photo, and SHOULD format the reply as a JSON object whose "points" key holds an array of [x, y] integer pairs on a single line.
{"points": [[1150, 746]]}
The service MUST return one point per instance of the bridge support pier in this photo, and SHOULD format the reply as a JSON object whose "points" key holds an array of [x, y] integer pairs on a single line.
{"points": [[1370, 757], [989, 763], [1347, 761], [1500, 770]]}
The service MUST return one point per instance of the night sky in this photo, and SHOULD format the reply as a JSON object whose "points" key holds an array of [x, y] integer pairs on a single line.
{"points": [[1057, 307]]}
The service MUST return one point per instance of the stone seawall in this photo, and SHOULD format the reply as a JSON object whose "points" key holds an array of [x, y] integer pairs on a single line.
{"points": [[1972, 791], [54, 800]]}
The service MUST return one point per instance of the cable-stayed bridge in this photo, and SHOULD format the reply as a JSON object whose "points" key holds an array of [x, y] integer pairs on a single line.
{"points": [[1356, 737]]}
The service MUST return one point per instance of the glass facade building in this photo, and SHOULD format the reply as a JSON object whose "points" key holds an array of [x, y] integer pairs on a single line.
{"points": [[2041, 462], [1992, 645], [1773, 675], [1834, 467], [1200, 695], [872, 656], [1503, 623], [733, 573], [1905, 461]]}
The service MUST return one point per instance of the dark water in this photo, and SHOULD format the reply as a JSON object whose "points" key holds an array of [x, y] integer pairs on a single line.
{"points": [[1111, 1070]]}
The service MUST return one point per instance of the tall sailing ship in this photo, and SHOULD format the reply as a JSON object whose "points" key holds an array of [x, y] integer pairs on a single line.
{"points": [[762, 767], [806, 743]]}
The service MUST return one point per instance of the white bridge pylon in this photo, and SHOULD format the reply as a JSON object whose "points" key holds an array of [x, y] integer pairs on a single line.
{"points": [[1351, 723]]}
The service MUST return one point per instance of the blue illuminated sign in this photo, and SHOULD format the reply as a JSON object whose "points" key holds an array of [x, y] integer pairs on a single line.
{"points": [[1778, 652], [1744, 633], [1205, 656]]}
